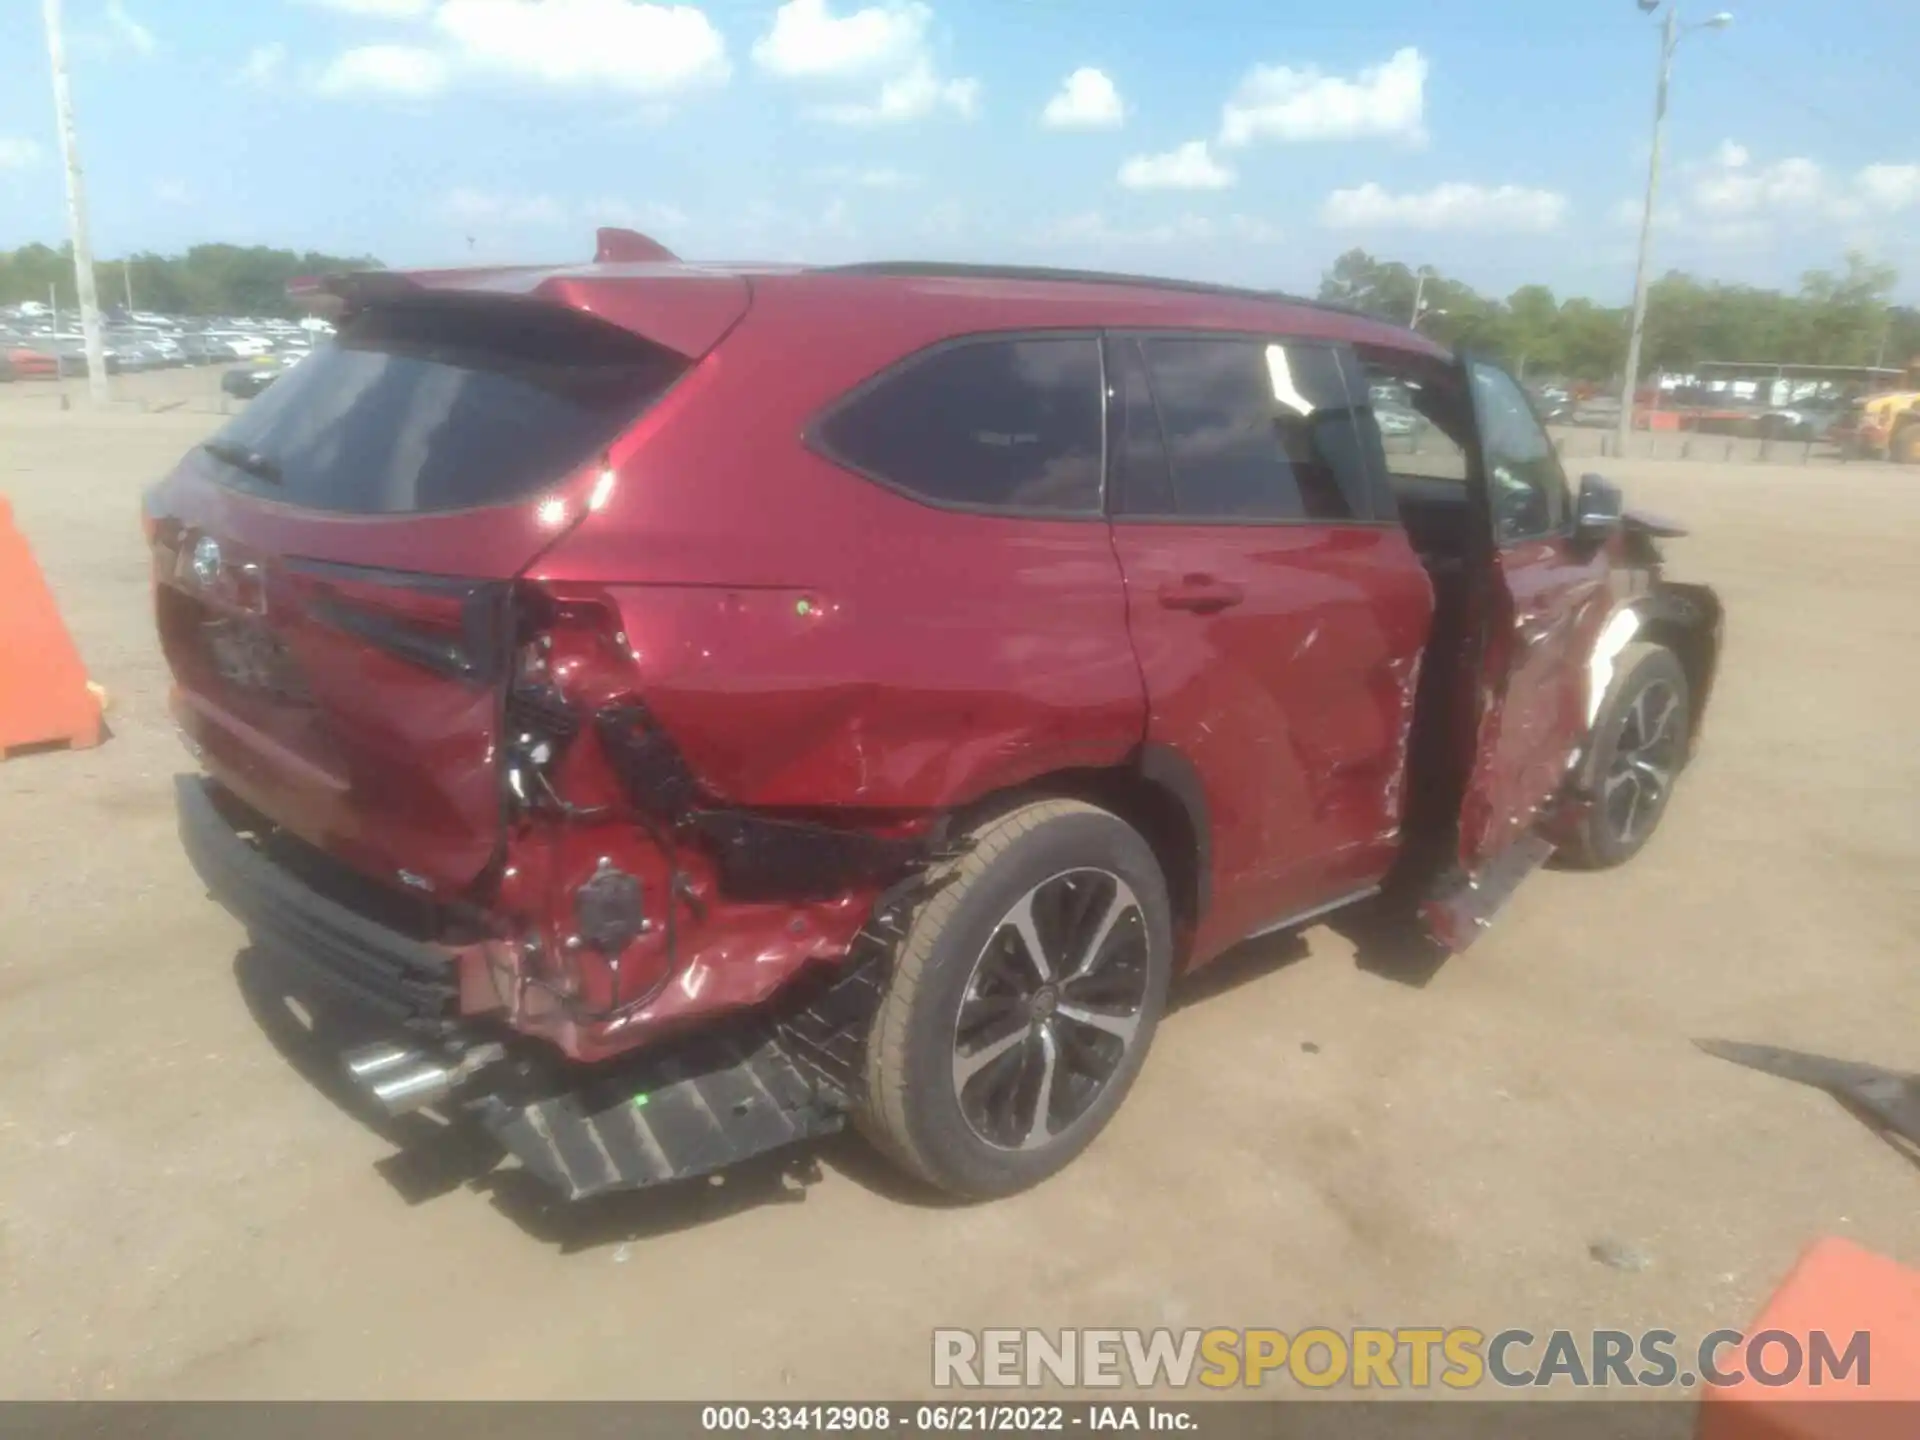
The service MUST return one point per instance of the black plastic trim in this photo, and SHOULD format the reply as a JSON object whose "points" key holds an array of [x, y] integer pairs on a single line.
{"points": [[404, 980]]}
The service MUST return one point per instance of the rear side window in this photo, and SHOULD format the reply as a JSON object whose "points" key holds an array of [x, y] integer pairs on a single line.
{"points": [[443, 406], [1256, 431], [1004, 424]]}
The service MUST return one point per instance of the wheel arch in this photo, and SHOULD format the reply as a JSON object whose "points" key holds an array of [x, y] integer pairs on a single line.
{"points": [[1688, 620], [1685, 618], [1157, 791]]}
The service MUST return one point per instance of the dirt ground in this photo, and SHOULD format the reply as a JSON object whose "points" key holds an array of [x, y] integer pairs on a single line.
{"points": [[182, 1214]]}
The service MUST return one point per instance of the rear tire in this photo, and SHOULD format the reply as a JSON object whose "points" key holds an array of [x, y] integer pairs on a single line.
{"points": [[1905, 446], [1639, 749], [987, 1072]]}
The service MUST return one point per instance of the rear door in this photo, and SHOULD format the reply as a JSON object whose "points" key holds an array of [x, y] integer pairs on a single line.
{"points": [[1546, 597], [332, 568], [1278, 624]]}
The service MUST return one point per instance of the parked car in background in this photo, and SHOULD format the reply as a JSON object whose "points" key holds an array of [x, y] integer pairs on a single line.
{"points": [[69, 353], [201, 349], [682, 721], [24, 362], [248, 380], [1813, 420]]}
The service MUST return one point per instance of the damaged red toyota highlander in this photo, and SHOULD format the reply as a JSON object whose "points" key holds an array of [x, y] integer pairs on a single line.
{"points": [[691, 707]]}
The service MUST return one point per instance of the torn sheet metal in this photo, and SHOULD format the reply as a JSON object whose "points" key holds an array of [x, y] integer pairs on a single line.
{"points": [[1887, 1096]]}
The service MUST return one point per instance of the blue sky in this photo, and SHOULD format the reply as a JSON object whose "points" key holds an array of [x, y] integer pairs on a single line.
{"points": [[1504, 141]]}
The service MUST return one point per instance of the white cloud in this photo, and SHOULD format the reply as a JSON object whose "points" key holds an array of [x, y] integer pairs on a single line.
{"points": [[1731, 186], [624, 44], [1186, 167], [408, 71], [1093, 228], [128, 30], [807, 40], [1453, 206], [1731, 198], [885, 43], [482, 207], [650, 217], [380, 9], [1275, 102], [1088, 100], [264, 64], [1890, 187], [18, 153], [909, 96], [871, 177], [172, 192]]}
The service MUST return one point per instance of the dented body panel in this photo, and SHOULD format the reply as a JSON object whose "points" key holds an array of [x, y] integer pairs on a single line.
{"points": [[1294, 702], [666, 731]]}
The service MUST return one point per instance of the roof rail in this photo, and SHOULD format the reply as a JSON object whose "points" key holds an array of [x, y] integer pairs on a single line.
{"points": [[943, 270]]}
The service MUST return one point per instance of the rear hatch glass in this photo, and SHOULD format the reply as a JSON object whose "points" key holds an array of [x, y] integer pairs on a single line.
{"points": [[433, 407], [333, 597]]}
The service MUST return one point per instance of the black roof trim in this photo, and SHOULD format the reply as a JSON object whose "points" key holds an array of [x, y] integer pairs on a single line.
{"points": [[942, 270]]}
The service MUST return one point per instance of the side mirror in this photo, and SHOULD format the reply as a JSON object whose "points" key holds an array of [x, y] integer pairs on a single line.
{"points": [[1598, 510]]}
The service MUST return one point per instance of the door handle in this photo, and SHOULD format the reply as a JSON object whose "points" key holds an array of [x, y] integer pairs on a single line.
{"points": [[1202, 594]]}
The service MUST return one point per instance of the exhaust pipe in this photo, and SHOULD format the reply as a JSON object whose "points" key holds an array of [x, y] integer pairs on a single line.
{"points": [[401, 1078], [375, 1060], [412, 1087]]}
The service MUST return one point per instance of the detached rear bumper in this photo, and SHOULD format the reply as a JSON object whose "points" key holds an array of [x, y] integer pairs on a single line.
{"points": [[690, 1107], [409, 983]]}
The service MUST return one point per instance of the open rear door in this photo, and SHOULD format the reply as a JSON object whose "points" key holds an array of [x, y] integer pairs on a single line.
{"points": [[1544, 596]]}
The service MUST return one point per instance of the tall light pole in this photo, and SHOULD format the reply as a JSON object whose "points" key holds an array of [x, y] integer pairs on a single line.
{"points": [[1670, 32], [76, 210]]}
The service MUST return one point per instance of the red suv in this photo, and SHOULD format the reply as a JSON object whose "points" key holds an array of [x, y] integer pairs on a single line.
{"points": [[689, 707]]}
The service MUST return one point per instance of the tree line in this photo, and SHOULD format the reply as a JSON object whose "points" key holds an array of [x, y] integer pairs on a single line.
{"points": [[1843, 317], [206, 280]]}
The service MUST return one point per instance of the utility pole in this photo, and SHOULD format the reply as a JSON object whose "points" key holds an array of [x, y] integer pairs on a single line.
{"points": [[1670, 34], [126, 274], [76, 210], [1419, 290]]}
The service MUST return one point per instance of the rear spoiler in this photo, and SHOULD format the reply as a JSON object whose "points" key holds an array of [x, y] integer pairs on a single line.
{"points": [[338, 294], [633, 281]]}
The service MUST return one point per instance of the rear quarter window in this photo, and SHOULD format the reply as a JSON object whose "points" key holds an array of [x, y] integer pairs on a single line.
{"points": [[1007, 424], [434, 407]]}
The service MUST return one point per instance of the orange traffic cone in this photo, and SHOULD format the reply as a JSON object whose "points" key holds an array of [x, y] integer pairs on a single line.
{"points": [[1835, 1355], [44, 695]]}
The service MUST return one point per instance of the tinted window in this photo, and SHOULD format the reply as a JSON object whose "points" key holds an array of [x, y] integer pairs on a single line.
{"points": [[1256, 431], [1143, 483], [440, 407], [1525, 485], [1011, 424], [1416, 443]]}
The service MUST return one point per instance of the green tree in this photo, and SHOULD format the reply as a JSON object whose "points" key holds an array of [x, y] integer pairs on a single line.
{"points": [[207, 280]]}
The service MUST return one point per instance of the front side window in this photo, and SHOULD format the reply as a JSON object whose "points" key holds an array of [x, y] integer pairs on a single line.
{"points": [[1526, 487], [1003, 424], [1256, 430]]}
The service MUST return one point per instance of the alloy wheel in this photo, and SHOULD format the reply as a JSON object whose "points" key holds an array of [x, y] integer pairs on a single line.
{"points": [[1051, 1009], [1646, 753]]}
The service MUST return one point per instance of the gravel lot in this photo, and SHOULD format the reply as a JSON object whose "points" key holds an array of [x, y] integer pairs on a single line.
{"points": [[182, 1214]]}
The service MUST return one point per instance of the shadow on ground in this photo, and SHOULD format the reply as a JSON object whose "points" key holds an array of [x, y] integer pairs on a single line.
{"points": [[436, 1155]]}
